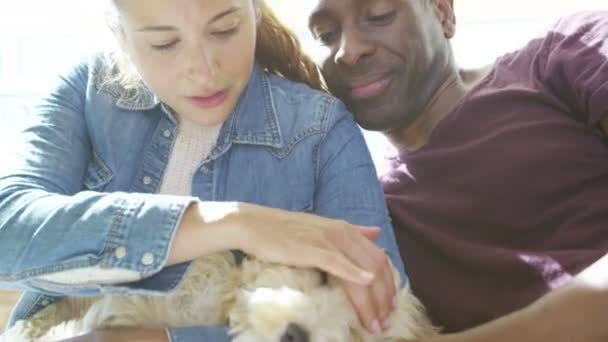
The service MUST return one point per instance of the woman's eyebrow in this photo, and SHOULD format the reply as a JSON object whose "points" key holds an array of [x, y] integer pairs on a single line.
{"points": [[173, 28]]}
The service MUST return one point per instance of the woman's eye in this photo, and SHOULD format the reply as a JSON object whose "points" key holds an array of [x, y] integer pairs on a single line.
{"points": [[165, 47], [384, 18], [226, 33]]}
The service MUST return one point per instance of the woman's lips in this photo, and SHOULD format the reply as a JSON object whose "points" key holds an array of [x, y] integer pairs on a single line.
{"points": [[209, 101]]}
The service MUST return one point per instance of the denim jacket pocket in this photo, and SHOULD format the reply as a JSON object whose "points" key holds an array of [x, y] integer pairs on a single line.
{"points": [[98, 174]]}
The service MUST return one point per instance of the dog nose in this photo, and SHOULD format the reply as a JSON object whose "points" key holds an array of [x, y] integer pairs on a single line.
{"points": [[295, 333]]}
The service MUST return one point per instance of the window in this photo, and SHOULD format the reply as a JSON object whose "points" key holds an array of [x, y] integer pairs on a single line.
{"points": [[38, 38]]}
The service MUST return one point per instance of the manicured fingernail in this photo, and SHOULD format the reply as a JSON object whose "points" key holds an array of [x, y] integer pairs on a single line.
{"points": [[386, 324], [375, 327]]}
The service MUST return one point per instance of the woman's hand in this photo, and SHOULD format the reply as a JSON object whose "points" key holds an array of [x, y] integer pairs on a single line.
{"points": [[294, 239], [122, 335], [337, 247], [374, 302]]}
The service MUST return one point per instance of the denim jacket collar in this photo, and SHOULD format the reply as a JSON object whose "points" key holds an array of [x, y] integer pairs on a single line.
{"points": [[253, 121]]}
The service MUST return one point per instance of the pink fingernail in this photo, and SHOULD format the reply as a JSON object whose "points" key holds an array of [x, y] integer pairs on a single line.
{"points": [[375, 327], [386, 324]]}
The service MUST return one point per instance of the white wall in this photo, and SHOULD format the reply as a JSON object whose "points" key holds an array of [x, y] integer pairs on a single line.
{"points": [[39, 37]]}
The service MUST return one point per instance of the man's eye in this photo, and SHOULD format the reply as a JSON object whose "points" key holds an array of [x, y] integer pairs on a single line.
{"points": [[165, 47], [327, 37], [382, 19]]}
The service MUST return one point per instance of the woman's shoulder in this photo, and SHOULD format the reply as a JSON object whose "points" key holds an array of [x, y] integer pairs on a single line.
{"points": [[94, 78], [79, 73], [300, 106]]}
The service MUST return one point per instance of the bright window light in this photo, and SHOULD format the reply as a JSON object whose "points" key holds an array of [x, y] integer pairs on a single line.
{"points": [[39, 37]]}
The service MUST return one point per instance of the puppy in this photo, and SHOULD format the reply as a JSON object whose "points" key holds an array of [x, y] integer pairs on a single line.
{"points": [[259, 301]]}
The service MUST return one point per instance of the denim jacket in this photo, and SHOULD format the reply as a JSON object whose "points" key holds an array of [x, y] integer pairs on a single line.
{"points": [[81, 191]]}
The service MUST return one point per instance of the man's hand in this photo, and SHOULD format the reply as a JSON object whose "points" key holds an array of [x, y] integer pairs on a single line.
{"points": [[123, 335]]}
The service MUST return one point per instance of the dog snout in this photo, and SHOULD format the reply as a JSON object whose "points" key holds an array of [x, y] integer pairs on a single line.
{"points": [[295, 333]]}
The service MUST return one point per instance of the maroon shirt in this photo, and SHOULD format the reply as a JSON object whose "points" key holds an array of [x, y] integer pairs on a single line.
{"points": [[509, 199]]}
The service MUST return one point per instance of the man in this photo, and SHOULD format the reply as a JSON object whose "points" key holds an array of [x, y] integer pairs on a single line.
{"points": [[499, 194]]}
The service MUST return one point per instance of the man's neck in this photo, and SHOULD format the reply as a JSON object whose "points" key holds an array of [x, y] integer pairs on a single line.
{"points": [[417, 134]]}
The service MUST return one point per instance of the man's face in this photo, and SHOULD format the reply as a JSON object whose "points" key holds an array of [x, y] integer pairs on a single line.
{"points": [[384, 58]]}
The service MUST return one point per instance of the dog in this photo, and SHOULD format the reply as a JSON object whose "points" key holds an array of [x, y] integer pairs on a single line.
{"points": [[259, 301]]}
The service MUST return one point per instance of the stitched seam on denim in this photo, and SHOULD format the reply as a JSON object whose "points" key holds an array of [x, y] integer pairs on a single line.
{"points": [[65, 266], [150, 155], [270, 108], [324, 106], [115, 236], [328, 106], [271, 137], [102, 175], [310, 131]]}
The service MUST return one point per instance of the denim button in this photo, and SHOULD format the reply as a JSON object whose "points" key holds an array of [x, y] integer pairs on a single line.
{"points": [[120, 252], [147, 259], [167, 134], [45, 303], [205, 170], [147, 180]]}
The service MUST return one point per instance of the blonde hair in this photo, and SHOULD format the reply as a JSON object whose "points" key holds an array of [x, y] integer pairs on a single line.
{"points": [[120, 69], [277, 51]]}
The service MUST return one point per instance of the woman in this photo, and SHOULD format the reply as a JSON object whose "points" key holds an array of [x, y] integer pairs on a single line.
{"points": [[140, 162]]}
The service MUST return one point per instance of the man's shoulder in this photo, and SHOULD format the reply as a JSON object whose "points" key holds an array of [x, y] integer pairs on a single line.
{"points": [[582, 31], [582, 23]]}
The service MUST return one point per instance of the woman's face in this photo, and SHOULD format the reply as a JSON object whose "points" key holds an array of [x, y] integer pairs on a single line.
{"points": [[195, 55]]}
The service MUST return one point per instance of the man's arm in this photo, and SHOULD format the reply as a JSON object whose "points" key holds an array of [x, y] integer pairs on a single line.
{"points": [[576, 312]]}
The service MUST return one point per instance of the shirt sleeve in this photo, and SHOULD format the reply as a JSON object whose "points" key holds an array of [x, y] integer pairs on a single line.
{"points": [[51, 225], [576, 64]]}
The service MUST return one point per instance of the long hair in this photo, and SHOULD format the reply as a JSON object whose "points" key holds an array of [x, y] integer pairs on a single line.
{"points": [[278, 51]]}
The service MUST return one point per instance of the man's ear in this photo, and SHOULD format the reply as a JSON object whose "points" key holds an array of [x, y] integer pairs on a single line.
{"points": [[444, 10]]}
